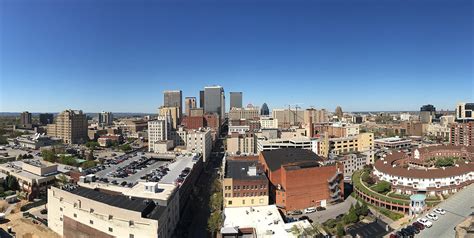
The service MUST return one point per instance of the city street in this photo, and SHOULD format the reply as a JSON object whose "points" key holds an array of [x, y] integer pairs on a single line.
{"points": [[458, 207]]}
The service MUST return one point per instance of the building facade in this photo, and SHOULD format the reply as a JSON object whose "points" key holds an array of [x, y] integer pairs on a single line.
{"points": [[235, 100], [244, 183], [173, 98], [465, 112], [70, 126], [241, 144], [189, 103], [462, 134], [25, 118], [200, 141], [158, 130], [106, 118], [214, 100]]}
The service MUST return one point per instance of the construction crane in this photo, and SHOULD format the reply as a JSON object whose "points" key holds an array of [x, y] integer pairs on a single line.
{"points": [[295, 113]]}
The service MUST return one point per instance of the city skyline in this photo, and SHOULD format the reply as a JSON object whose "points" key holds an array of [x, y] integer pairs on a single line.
{"points": [[95, 56]]}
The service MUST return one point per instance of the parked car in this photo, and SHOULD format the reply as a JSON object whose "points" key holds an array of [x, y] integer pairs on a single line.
{"points": [[310, 210], [320, 208], [432, 216], [425, 222], [394, 235], [440, 211], [413, 229], [418, 225], [295, 212]]}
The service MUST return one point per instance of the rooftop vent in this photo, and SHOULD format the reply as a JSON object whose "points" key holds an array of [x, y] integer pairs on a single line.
{"points": [[252, 171]]}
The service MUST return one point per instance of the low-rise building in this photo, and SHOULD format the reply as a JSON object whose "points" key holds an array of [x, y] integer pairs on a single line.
{"points": [[297, 142], [244, 182], [268, 123], [107, 140], [336, 146], [33, 176], [35, 141], [241, 143], [76, 211], [392, 143]]}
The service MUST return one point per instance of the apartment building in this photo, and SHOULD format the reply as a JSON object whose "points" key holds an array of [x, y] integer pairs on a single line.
{"points": [[158, 130], [359, 143], [462, 134], [106, 118], [241, 143], [245, 183], [70, 126], [268, 123], [200, 141]]}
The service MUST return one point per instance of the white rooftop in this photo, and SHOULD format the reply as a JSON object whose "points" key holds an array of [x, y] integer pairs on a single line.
{"points": [[266, 220]]}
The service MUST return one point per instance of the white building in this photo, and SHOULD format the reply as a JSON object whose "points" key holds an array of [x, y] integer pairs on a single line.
{"points": [[405, 117], [158, 130], [239, 129], [200, 141], [297, 142], [179, 136], [268, 123], [392, 143]]}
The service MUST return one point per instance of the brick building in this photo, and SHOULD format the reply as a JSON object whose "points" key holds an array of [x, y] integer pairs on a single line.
{"points": [[462, 134], [244, 184], [300, 179]]}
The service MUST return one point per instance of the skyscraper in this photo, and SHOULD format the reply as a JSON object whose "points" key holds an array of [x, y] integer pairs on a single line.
{"points": [[25, 118], [189, 103], [201, 99], [46, 118], [339, 112], [214, 100], [173, 98], [264, 111], [427, 113], [235, 100], [106, 118]]}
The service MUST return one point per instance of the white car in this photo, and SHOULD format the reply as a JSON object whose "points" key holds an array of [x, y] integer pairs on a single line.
{"points": [[425, 222], [309, 210], [432, 216], [440, 211]]}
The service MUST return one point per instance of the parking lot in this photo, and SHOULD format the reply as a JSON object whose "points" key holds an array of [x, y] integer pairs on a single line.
{"points": [[135, 172], [458, 207], [331, 211]]}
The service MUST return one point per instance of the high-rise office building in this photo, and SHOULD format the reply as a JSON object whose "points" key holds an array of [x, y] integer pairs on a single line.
{"points": [[427, 113], [173, 113], [173, 98], [189, 103], [214, 100], [235, 100], [106, 118], [201, 99], [70, 126], [338, 113], [465, 112], [264, 111], [46, 118], [25, 118]]}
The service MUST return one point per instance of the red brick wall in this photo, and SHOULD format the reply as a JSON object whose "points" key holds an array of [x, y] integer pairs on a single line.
{"points": [[212, 121], [74, 229], [193, 122]]}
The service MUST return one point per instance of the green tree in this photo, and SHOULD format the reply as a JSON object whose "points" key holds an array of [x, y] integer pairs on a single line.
{"points": [[48, 155], [340, 230], [92, 144], [364, 209], [382, 187], [88, 164], [62, 179], [126, 148], [351, 216], [295, 230], [358, 209], [11, 183], [214, 222]]}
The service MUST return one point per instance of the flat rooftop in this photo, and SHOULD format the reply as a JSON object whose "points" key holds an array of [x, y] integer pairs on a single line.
{"points": [[276, 158], [265, 220], [238, 169], [147, 207], [391, 140]]}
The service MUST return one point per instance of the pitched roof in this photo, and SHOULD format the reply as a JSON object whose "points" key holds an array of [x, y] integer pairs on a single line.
{"points": [[289, 156]]}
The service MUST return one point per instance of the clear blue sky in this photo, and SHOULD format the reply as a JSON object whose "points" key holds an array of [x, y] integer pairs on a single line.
{"points": [[120, 55]]}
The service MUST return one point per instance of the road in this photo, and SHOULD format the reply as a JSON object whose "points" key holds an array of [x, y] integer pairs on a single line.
{"points": [[331, 211], [458, 207], [193, 222]]}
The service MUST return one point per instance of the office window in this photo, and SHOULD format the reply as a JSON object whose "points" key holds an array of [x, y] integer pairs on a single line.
{"points": [[91, 222], [92, 210], [111, 217], [110, 229], [132, 223], [61, 219], [75, 215], [131, 236], [60, 209]]}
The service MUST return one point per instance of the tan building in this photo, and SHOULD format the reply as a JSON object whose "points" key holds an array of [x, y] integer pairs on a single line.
{"points": [[237, 113], [268, 123], [196, 112], [287, 118], [173, 112], [241, 143], [312, 115], [189, 103], [338, 146], [76, 211], [33, 176], [245, 183], [200, 141], [70, 126]]}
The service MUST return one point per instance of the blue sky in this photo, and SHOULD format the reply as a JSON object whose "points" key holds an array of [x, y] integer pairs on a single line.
{"points": [[120, 55]]}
